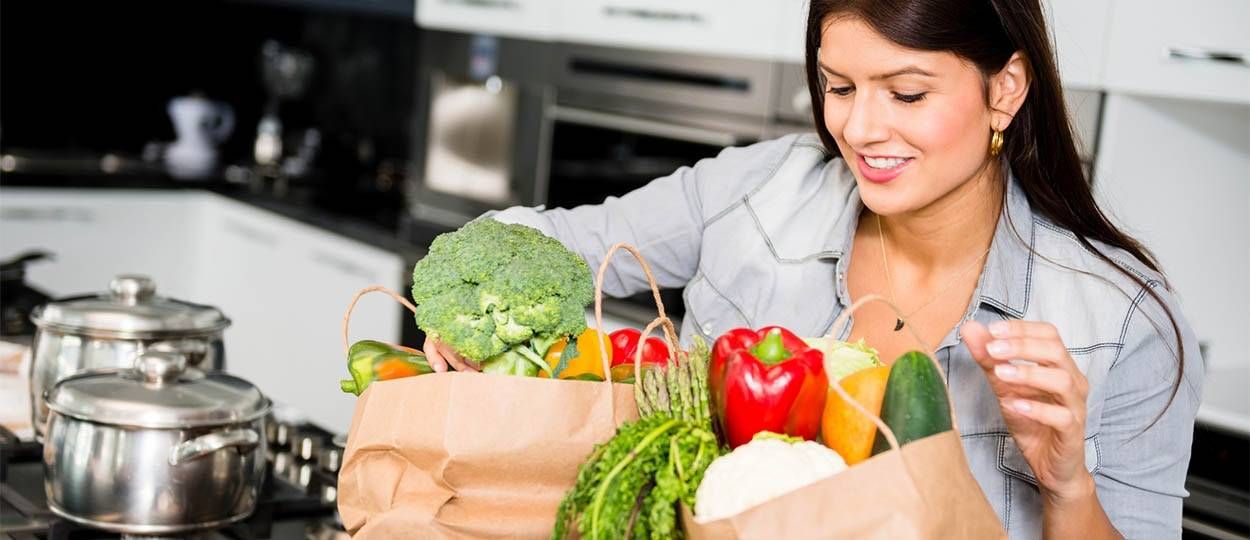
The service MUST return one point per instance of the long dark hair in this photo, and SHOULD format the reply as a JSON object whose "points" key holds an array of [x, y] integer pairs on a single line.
{"points": [[1039, 145]]}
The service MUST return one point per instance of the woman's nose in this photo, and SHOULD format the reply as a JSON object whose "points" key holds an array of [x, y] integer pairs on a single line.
{"points": [[865, 123]]}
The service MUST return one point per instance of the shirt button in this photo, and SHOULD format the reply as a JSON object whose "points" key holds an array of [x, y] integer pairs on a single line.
{"points": [[707, 329]]}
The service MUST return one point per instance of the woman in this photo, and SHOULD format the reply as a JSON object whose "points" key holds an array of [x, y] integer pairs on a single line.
{"points": [[945, 176]]}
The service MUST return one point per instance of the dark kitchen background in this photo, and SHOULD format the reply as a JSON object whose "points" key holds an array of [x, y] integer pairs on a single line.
{"points": [[87, 79]]}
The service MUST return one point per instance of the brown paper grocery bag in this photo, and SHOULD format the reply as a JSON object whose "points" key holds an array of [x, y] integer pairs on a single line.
{"points": [[923, 489], [470, 455]]}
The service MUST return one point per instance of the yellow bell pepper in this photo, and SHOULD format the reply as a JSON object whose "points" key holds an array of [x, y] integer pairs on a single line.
{"points": [[588, 360]]}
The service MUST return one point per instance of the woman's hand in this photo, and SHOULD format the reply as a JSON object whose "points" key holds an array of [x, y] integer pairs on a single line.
{"points": [[1043, 403], [440, 356]]}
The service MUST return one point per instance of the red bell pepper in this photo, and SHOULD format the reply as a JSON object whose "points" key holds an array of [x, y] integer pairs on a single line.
{"points": [[766, 380], [625, 345]]}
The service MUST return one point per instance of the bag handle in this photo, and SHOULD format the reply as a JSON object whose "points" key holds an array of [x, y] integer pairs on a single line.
{"points": [[843, 320], [670, 331], [347, 345]]}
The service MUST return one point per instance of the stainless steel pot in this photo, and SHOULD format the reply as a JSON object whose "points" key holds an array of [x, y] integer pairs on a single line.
{"points": [[110, 330], [159, 448]]}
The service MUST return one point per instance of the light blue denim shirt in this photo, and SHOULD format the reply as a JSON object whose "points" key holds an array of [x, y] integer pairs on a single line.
{"points": [[761, 235]]}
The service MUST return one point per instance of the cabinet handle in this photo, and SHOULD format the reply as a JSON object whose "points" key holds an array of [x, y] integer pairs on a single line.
{"points": [[653, 15], [343, 265], [250, 233], [487, 4], [62, 214], [642, 126], [1196, 53]]}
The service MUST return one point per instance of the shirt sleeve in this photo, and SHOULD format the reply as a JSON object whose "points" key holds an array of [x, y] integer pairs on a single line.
{"points": [[1146, 433], [663, 219]]}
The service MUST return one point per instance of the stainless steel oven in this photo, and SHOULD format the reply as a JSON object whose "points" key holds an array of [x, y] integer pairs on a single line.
{"points": [[481, 134], [496, 116], [504, 122]]}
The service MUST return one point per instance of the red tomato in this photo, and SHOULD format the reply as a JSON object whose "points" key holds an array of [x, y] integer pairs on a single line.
{"points": [[625, 345]]}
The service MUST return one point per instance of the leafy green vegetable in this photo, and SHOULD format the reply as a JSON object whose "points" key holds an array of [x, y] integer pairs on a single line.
{"points": [[630, 486], [501, 294], [843, 358]]}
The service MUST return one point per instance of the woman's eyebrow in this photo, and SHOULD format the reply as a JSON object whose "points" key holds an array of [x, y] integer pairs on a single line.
{"points": [[908, 70]]}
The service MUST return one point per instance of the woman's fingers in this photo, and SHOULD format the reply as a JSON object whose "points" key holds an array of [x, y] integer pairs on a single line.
{"points": [[1027, 329], [433, 355], [441, 357], [1066, 388], [457, 362], [1044, 351], [1058, 417], [976, 337]]}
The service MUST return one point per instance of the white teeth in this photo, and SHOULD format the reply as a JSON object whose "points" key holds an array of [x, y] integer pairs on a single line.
{"points": [[884, 163]]}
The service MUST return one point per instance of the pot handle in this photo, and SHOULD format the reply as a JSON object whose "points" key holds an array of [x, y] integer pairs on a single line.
{"points": [[244, 439]]}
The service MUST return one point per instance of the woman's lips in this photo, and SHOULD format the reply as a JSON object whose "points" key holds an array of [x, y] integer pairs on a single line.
{"points": [[882, 175]]}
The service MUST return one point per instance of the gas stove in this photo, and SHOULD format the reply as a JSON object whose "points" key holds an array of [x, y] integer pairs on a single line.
{"points": [[298, 499]]}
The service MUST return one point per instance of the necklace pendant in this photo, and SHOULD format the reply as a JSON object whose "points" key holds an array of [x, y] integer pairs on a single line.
{"points": [[898, 325]]}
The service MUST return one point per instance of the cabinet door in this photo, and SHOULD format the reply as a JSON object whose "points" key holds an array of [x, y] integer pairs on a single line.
{"points": [[736, 28], [286, 286], [1176, 175], [533, 19], [97, 235], [1078, 31], [1198, 49], [791, 36]]}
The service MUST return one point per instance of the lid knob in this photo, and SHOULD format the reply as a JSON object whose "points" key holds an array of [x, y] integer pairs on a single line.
{"points": [[131, 289], [159, 366]]}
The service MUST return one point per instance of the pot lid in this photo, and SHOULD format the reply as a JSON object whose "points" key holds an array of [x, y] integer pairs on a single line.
{"points": [[131, 309], [160, 391]]}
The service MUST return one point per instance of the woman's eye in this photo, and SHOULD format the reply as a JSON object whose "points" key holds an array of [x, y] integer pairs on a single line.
{"points": [[840, 91], [909, 98]]}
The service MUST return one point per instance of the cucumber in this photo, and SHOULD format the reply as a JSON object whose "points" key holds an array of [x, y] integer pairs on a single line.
{"points": [[915, 404]]}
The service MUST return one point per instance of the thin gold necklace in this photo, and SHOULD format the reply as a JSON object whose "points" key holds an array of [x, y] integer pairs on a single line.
{"points": [[898, 324]]}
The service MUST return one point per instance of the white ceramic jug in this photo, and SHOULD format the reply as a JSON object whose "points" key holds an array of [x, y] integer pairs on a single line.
{"points": [[201, 125]]}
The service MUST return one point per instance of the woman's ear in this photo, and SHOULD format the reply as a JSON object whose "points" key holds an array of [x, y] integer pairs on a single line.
{"points": [[1008, 88]]}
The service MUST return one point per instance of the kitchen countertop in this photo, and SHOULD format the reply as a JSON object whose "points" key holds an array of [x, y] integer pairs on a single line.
{"points": [[374, 229]]}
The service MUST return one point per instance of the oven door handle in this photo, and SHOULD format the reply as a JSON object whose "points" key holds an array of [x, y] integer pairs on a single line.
{"points": [[643, 126]]}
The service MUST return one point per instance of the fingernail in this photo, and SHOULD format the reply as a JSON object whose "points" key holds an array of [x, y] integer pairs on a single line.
{"points": [[1006, 371], [998, 348], [999, 329], [1021, 405]]}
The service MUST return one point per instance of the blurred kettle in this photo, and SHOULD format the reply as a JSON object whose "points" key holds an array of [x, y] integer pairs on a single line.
{"points": [[201, 124]]}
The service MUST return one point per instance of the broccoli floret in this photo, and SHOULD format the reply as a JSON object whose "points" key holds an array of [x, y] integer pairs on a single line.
{"points": [[501, 294]]}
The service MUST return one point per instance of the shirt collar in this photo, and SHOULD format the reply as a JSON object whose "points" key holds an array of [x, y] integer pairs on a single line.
{"points": [[1007, 278]]}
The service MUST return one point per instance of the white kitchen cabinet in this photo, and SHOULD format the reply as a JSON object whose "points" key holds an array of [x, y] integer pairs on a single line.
{"points": [[96, 235], [286, 285], [1155, 49], [1176, 175], [734, 28], [532, 19], [1078, 31], [283, 284], [790, 42]]}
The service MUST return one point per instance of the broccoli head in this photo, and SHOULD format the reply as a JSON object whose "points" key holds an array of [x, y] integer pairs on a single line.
{"points": [[501, 293]]}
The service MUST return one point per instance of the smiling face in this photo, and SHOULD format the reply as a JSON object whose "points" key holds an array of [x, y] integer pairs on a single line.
{"points": [[914, 126]]}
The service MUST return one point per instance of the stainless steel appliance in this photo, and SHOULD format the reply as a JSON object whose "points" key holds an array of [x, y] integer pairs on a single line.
{"points": [[110, 330], [479, 124], [154, 449], [499, 119], [291, 503], [502, 122]]}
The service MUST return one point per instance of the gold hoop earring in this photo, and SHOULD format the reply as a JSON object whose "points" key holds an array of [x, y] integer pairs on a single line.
{"points": [[996, 143]]}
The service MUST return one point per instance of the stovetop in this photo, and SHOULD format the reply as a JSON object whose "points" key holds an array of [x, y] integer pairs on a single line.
{"points": [[297, 501]]}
